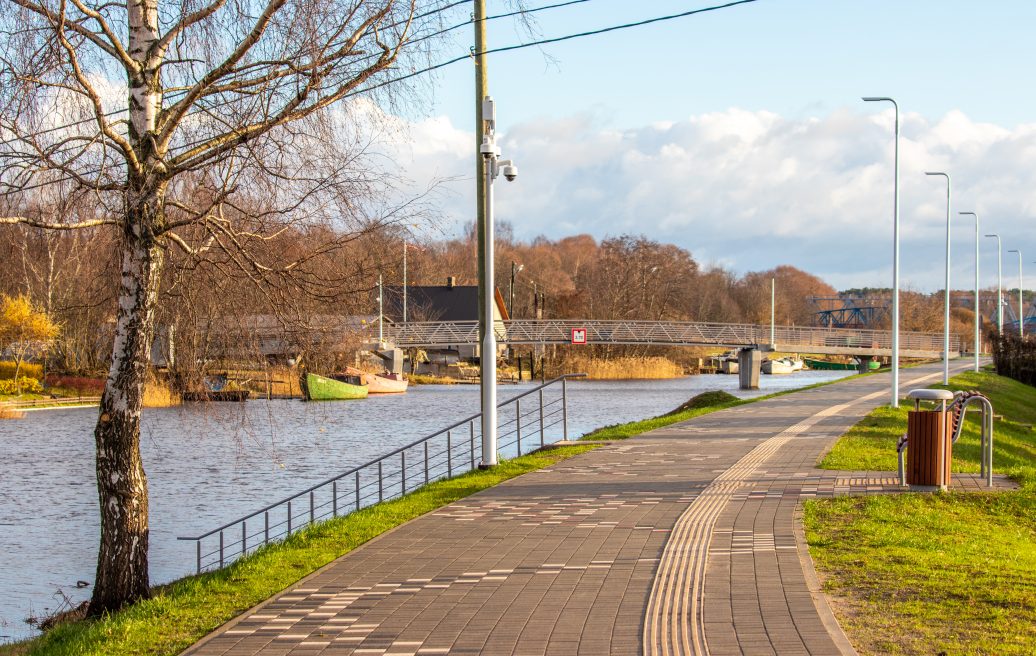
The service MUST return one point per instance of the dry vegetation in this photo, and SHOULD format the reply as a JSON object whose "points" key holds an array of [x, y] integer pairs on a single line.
{"points": [[623, 367]]}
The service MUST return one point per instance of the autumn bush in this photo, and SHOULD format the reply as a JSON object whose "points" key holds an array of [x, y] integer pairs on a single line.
{"points": [[28, 369], [26, 384], [622, 368], [81, 385]]}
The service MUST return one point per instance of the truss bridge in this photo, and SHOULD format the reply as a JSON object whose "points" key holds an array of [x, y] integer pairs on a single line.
{"points": [[796, 339]]}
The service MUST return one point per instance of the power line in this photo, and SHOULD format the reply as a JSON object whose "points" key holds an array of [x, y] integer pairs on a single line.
{"points": [[519, 46]]}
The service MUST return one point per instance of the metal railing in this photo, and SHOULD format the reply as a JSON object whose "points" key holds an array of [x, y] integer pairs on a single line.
{"points": [[523, 426], [665, 333]]}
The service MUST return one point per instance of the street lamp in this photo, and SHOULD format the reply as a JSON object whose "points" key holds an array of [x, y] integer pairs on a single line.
{"points": [[977, 343], [1021, 308], [999, 286], [895, 258], [946, 302], [492, 167], [515, 270]]}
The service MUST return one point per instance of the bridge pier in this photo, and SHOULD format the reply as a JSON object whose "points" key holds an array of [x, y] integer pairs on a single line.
{"points": [[749, 363], [865, 363]]}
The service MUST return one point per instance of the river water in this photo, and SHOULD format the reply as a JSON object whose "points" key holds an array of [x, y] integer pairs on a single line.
{"points": [[210, 463]]}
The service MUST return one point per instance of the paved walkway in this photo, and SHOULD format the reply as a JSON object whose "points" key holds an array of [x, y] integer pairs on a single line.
{"points": [[682, 541]]}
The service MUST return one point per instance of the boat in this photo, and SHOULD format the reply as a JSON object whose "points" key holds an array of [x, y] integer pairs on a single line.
{"points": [[779, 366], [852, 365], [322, 388], [385, 383]]}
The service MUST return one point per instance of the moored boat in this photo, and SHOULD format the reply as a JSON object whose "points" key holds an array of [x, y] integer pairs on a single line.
{"points": [[827, 365], [322, 388], [379, 383], [779, 366]]}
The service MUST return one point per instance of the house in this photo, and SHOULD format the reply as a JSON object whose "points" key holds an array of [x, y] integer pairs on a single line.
{"points": [[449, 302]]}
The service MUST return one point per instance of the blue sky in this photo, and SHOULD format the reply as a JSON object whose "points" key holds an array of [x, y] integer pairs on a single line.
{"points": [[739, 134]]}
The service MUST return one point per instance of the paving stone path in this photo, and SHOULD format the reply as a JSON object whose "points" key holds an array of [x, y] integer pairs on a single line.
{"points": [[685, 540]]}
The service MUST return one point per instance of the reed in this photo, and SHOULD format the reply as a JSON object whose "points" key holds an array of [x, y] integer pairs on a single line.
{"points": [[158, 395], [622, 368], [10, 413]]}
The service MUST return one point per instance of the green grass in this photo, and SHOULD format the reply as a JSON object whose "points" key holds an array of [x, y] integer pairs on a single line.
{"points": [[182, 612], [924, 574]]}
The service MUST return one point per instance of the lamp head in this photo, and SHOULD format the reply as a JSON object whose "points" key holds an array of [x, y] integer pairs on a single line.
{"points": [[968, 213], [936, 173], [875, 99], [993, 236]]}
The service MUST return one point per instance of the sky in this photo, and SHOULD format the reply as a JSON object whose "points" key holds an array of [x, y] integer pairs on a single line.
{"points": [[740, 134]]}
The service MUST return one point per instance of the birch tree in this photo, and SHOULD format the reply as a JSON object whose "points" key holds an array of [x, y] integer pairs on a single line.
{"points": [[174, 115]]}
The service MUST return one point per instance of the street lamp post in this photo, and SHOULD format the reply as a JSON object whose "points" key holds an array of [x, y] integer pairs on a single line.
{"points": [[895, 257], [1021, 307], [946, 301], [978, 343], [492, 168], [999, 286], [773, 312], [404, 280], [515, 270]]}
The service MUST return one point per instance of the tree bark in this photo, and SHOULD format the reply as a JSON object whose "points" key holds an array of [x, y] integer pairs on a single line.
{"points": [[122, 563]]}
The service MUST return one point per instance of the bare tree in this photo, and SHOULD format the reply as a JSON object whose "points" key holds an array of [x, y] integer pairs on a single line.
{"points": [[198, 125]]}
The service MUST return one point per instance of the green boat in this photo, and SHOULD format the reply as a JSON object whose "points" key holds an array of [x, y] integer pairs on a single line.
{"points": [[826, 365], [319, 388]]}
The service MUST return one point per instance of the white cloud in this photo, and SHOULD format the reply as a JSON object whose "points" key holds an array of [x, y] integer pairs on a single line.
{"points": [[755, 189]]}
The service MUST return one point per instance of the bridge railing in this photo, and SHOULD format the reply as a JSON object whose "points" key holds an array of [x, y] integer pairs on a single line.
{"points": [[525, 422], [530, 331]]}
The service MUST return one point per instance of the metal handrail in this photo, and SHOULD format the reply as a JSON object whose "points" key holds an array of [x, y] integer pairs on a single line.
{"points": [[398, 476]]}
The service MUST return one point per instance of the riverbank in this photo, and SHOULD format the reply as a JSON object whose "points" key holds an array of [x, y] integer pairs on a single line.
{"points": [[180, 613], [945, 573]]}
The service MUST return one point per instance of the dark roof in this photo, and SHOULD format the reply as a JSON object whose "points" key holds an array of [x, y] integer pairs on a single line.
{"points": [[435, 302]]}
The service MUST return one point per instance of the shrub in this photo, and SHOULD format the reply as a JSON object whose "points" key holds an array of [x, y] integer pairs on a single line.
{"points": [[28, 369], [81, 385], [28, 386]]}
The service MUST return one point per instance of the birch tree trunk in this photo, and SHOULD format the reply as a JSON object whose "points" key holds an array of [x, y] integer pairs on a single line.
{"points": [[122, 562]]}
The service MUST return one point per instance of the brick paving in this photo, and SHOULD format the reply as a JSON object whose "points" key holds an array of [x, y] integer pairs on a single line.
{"points": [[684, 540]]}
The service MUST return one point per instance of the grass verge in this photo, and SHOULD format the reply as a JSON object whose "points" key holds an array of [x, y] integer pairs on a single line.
{"points": [[947, 573], [182, 612]]}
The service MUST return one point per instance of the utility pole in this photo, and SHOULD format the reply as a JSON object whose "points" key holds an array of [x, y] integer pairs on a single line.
{"points": [[404, 281], [481, 91], [773, 311], [381, 313]]}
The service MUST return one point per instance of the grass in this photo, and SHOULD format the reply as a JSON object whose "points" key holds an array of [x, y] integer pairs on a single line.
{"points": [[923, 574], [182, 612]]}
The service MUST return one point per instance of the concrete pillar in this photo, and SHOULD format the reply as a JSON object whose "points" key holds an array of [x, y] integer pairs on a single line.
{"points": [[865, 363], [393, 360], [749, 362]]}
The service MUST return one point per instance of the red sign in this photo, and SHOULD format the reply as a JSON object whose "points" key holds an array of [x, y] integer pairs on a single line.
{"points": [[579, 335]]}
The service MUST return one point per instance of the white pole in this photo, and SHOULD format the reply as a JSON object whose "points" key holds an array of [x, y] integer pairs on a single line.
{"points": [[946, 300], [381, 313], [404, 281], [773, 311], [488, 355], [978, 344], [1021, 308], [999, 286], [895, 262]]}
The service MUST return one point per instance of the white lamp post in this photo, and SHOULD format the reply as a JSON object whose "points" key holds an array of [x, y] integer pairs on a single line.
{"points": [[978, 343], [492, 167], [895, 257], [1021, 307], [999, 285], [946, 301]]}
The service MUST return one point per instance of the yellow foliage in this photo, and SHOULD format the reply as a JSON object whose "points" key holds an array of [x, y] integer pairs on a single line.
{"points": [[30, 369], [10, 413]]}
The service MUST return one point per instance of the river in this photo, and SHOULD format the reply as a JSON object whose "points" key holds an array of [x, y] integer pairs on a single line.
{"points": [[210, 463]]}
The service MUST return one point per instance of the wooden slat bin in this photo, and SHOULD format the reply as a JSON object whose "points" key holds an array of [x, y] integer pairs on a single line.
{"points": [[929, 446]]}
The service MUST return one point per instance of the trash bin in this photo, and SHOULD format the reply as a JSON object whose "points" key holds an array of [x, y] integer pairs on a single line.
{"points": [[929, 441]]}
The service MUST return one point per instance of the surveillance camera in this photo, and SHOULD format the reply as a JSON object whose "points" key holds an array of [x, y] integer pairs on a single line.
{"points": [[510, 172]]}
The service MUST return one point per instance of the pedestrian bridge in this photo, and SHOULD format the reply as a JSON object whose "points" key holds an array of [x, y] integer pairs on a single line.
{"points": [[794, 339]]}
